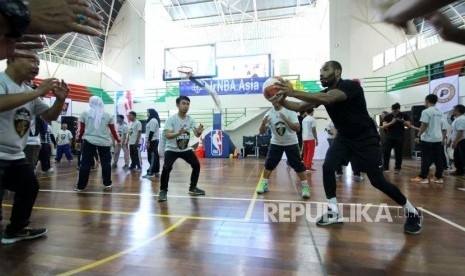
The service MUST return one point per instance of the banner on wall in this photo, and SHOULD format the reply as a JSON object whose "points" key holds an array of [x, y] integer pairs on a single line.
{"points": [[224, 87], [123, 103], [67, 108], [447, 90]]}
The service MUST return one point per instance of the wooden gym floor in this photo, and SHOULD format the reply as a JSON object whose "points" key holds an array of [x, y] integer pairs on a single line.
{"points": [[227, 232]]}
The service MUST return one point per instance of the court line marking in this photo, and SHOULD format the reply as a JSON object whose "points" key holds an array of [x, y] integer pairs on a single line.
{"points": [[90, 211], [443, 219], [125, 252], [249, 213]]}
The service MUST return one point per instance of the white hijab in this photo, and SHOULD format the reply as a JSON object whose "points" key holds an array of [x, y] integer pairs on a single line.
{"points": [[96, 110]]}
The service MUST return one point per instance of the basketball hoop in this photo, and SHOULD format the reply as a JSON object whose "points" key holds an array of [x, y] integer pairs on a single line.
{"points": [[185, 72]]}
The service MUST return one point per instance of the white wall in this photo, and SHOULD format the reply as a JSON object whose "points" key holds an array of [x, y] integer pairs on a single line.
{"points": [[125, 47]]}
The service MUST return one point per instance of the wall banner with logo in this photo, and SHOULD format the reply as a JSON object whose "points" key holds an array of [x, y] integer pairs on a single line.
{"points": [[447, 90], [224, 87]]}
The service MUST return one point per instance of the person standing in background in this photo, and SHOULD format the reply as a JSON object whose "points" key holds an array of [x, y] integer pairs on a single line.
{"points": [[134, 134], [432, 139], [46, 149], [64, 140], [122, 130], [95, 127], [152, 141], [310, 139]]}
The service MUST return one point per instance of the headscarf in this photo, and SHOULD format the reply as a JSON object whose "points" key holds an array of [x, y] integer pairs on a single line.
{"points": [[153, 114], [96, 110]]}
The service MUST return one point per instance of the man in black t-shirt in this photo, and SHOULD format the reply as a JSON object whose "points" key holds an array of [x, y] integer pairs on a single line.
{"points": [[357, 138], [394, 125]]}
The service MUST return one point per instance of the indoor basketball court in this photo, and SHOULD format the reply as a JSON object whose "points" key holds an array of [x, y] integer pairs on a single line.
{"points": [[220, 54], [231, 231]]}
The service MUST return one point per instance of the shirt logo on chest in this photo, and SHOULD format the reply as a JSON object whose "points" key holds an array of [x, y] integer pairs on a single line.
{"points": [[22, 121]]}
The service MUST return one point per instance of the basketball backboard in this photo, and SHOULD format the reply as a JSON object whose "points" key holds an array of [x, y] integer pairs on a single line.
{"points": [[201, 58]]}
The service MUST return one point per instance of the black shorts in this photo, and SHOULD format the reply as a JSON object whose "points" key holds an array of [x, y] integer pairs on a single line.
{"points": [[275, 153]]}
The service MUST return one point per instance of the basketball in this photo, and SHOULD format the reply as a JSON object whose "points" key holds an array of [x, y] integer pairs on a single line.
{"points": [[269, 90]]}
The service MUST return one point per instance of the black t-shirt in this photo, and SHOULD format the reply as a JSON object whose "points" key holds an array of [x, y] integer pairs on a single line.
{"points": [[350, 117], [397, 129]]}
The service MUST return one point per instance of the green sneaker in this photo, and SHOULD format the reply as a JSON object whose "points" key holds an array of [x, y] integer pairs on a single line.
{"points": [[196, 191], [262, 188], [162, 196], [305, 192]]}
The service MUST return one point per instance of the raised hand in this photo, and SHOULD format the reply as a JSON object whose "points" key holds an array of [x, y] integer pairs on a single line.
{"points": [[200, 129], [61, 91], [48, 85], [9, 46], [63, 16]]}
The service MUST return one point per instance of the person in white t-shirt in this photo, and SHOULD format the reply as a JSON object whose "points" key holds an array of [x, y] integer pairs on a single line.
{"points": [[122, 130], [95, 128], [309, 138], [19, 103], [432, 139], [284, 125], [134, 134], [178, 129], [458, 139], [152, 131], [64, 140]]}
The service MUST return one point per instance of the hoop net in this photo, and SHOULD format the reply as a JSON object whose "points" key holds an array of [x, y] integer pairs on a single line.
{"points": [[185, 72]]}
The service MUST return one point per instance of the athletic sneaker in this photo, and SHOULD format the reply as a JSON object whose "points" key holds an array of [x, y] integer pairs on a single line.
{"points": [[329, 218], [437, 180], [419, 180], [125, 167], [196, 191], [162, 196], [78, 190], [397, 171], [338, 176], [49, 171], [24, 234], [139, 169], [358, 178], [149, 176], [262, 188], [107, 188], [413, 223], [306, 192]]}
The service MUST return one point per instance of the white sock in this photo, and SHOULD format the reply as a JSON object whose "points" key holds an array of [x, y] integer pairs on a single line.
{"points": [[409, 207], [332, 204], [304, 183], [265, 181]]}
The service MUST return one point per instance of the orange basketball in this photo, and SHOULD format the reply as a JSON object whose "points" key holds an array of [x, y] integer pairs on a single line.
{"points": [[269, 89]]}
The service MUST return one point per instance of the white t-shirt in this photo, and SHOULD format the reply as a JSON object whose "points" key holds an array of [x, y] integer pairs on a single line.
{"points": [[122, 131], [34, 139], [97, 136], [308, 123], [433, 117], [153, 126], [457, 125], [134, 128], [332, 131], [64, 137], [15, 123], [281, 134], [174, 124]]}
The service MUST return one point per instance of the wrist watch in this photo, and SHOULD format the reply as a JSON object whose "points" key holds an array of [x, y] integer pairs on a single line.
{"points": [[17, 15]]}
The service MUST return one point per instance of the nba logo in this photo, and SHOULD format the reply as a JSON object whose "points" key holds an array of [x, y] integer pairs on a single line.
{"points": [[216, 144]]}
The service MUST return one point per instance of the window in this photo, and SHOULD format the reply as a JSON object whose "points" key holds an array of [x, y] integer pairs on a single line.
{"points": [[389, 56], [401, 50], [378, 61]]}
